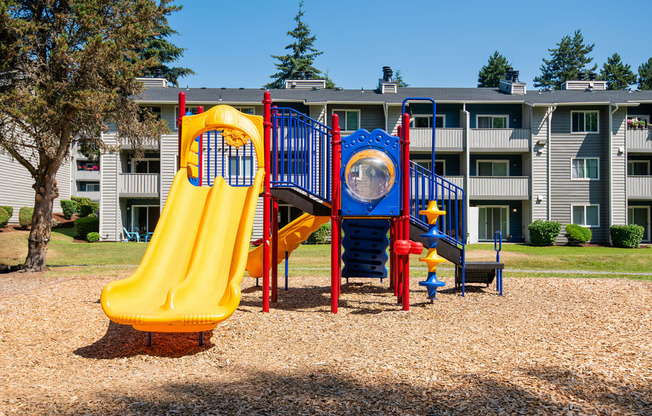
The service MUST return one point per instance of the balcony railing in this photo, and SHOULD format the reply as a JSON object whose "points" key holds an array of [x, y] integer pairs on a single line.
{"points": [[87, 175], [639, 140], [455, 180], [500, 140], [449, 139], [147, 144], [639, 187], [93, 195], [139, 185], [500, 187]]}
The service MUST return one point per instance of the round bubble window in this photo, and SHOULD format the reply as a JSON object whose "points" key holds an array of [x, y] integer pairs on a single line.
{"points": [[369, 175]]}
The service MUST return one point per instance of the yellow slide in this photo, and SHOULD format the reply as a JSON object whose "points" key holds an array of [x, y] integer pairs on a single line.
{"points": [[289, 238], [189, 278]]}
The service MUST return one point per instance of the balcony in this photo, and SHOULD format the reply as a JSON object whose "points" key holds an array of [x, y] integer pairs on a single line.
{"points": [[500, 140], [147, 144], [87, 175], [139, 185], [639, 187], [499, 187], [93, 195], [639, 140], [446, 139]]}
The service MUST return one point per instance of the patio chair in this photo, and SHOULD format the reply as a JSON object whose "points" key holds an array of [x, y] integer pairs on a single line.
{"points": [[130, 236]]}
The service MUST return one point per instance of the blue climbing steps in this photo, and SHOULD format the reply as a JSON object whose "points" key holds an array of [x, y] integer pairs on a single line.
{"points": [[365, 245]]}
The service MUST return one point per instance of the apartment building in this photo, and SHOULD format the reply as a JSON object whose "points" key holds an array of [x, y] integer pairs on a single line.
{"points": [[569, 155]]}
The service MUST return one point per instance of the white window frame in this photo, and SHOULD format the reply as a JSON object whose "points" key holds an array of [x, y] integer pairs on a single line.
{"points": [[505, 116], [585, 131], [585, 206], [429, 116], [425, 158], [649, 220], [241, 164], [584, 158], [477, 167], [253, 110], [646, 162], [142, 206], [346, 111], [506, 207], [148, 159]]}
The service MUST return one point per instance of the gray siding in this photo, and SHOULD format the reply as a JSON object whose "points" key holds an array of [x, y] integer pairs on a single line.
{"points": [[110, 218], [539, 164], [393, 119], [371, 116], [169, 151], [567, 192], [618, 168]]}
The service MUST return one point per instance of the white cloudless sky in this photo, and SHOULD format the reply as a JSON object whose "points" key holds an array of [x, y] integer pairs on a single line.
{"points": [[433, 43]]}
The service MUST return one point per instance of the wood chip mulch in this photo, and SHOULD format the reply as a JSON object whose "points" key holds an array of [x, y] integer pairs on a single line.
{"points": [[549, 346]]}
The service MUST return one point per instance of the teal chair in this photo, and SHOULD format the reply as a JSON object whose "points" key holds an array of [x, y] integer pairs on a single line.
{"points": [[130, 236]]}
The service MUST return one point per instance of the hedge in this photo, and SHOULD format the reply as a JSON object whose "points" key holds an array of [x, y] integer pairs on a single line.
{"points": [[69, 207], [92, 237], [321, 235], [4, 218], [577, 234], [627, 236], [10, 210], [25, 217], [544, 233], [81, 200], [86, 225], [84, 210]]}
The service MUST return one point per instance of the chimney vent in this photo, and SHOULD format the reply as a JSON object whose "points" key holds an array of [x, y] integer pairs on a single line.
{"points": [[387, 74], [511, 85]]}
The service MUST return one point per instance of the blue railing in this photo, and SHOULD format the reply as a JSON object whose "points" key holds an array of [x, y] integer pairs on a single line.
{"points": [[426, 186], [301, 153], [235, 165]]}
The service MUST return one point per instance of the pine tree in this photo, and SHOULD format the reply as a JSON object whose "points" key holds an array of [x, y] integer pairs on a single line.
{"points": [[495, 70], [645, 75], [399, 79], [568, 61], [299, 63], [619, 76], [164, 51]]}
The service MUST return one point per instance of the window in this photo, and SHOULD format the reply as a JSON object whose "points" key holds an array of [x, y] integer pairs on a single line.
{"points": [[144, 218], [640, 215], [349, 119], [584, 121], [240, 166], [192, 110], [440, 165], [86, 165], [492, 168], [586, 215], [146, 166], [155, 110], [89, 186], [638, 167], [585, 168], [492, 219], [425, 121], [246, 110], [492, 122]]}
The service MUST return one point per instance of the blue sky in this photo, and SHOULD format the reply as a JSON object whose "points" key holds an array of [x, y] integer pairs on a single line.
{"points": [[433, 43]]}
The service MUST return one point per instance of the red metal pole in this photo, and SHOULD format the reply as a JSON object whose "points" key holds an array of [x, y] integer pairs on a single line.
{"points": [[405, 152], [200, 152], [267, 101], [182, 112], [336, 189], [274, 249]]}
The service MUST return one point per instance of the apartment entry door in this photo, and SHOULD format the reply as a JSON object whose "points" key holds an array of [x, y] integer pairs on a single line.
{"points": [[145, 217], [640, 216], [492, 219]]}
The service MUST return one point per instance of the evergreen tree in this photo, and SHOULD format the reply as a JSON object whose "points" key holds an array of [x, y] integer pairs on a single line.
{"points": [[164, 52], [69, 68], [298, 64], [619, 76], [495, 70], [399, 79], [645, 75], [568, 61]]}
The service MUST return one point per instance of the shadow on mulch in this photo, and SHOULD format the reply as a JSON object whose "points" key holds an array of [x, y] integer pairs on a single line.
{"points": [[122, 341], [324, 392]]}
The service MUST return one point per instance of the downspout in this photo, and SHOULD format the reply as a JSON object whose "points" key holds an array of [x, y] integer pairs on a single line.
{"points": [[467, 171], [386, 112], [610, 170], [551, 109]]}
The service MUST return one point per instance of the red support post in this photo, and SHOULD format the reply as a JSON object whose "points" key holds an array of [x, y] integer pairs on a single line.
{"points": [[336, 189], [274, 249], [267, 195], [182, 112], [200, 152], [405, 153]]}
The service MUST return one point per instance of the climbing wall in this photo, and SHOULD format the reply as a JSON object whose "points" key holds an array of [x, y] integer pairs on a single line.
{"points": [[365, 245]]}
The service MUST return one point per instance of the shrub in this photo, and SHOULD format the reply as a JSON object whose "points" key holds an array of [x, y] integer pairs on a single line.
{"points": [[84, 210], [10, 210], [4, 218], [544, 233], [92, 237], [627, 236], [321, 235], [69, 207], [96, 208], [25, 217], [86, 225], [577, 234], [81, 200]]}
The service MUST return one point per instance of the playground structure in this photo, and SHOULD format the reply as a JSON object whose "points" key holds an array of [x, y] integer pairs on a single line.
{"points": [[365, 184]]}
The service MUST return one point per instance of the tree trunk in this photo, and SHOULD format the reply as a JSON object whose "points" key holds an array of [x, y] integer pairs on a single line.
{"points": [[41, 227]]}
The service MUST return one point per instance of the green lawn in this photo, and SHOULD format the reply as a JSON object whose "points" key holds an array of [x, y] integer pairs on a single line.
{"points": [[520, 260]]}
